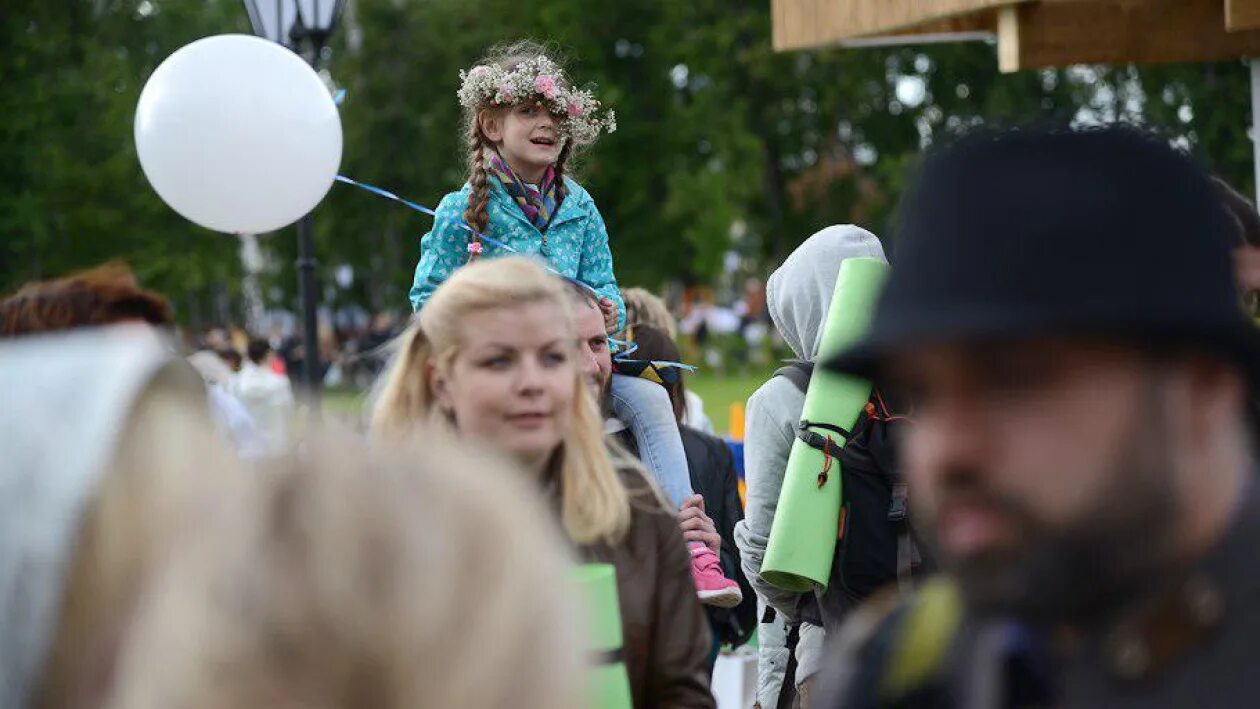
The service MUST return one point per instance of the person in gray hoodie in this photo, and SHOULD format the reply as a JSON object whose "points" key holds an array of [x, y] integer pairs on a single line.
{"points": [[798, 295]]}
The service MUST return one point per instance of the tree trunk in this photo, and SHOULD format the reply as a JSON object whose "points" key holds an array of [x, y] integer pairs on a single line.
{"points": [[251, 292], [774, 198]]}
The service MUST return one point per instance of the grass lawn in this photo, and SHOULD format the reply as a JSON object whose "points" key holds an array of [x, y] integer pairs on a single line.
{"points": [[345, 402], [718, 392]]}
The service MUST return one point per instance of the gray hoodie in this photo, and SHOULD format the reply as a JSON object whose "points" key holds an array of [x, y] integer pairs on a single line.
{"points": [[798, 295]]}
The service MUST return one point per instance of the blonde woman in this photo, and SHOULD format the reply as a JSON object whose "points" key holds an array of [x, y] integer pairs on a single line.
{"points": [[493, 356]]}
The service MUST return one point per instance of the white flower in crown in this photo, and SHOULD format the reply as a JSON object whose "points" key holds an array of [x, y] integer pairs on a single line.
{"points": [[538, 79]]}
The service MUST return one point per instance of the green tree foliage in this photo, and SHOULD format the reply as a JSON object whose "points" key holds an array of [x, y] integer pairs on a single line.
{"points": [[722, 144], [71, 190]]}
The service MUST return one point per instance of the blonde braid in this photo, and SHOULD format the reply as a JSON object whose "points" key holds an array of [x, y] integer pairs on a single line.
{"points": [[561, 160], [477, 215]]}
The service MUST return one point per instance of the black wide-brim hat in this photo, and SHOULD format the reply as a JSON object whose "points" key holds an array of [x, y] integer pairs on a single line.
{"points": [[1029, 233]]}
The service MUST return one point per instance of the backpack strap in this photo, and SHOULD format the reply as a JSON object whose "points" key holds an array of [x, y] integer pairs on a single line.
{"points": [[905, 561], [806, 424], [829, 448], [798, 372], [907, 550], [898, 510], [816, 440], [787, 691]]}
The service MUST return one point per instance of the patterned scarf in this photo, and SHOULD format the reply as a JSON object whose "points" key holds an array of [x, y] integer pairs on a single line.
{"points": [[538, 203]]}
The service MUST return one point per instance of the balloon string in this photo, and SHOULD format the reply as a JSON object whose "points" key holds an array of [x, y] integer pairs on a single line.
{"points": [[625, 348], [425, 210], [675, 365], [664, 364], [389, 195]]}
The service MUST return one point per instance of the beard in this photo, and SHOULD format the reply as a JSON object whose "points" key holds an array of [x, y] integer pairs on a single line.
{"points": [[1079, 573]]}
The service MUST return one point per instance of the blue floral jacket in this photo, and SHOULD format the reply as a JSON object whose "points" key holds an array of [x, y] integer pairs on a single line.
{"points": [[577, 242]]}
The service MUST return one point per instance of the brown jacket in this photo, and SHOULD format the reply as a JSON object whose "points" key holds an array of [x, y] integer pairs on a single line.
{"points": [[665, 633]]}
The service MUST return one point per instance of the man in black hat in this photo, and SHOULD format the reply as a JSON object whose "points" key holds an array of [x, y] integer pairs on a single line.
{"points": [[1063, 312]]}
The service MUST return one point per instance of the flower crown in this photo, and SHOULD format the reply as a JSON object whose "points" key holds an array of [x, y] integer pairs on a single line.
{"points": [[540, 79]]}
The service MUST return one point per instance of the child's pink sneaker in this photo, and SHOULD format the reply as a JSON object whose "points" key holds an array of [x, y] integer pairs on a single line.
{"points": [[712, 586]]}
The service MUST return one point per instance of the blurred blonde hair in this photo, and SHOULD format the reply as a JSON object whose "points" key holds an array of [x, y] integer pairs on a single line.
{"points": [[165, 464], [644, 308], [594, 505], [356, 578]]}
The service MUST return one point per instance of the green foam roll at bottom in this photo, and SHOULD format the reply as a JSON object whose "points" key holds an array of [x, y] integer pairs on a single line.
{"points": [[610, 687], [609, 684], [806, 522]]}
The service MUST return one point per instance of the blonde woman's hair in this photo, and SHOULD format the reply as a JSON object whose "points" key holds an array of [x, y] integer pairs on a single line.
{"points": [[594, 505], [350, 577], [644, 308], [159, 480]]}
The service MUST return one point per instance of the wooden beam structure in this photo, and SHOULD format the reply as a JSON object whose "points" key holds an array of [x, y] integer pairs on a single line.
{"points": [[1046, 34], [804, 24], [1033, 33], [1242, 15], [982, 22]]}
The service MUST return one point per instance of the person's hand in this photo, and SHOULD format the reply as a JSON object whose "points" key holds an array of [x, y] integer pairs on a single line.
{"points": [[697, 526], [609, 309]]}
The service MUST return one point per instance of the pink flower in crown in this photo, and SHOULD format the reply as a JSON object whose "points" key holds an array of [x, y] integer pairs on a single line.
{"points": [[478, 71], [546, 85], [506, 92], [575, 109]]}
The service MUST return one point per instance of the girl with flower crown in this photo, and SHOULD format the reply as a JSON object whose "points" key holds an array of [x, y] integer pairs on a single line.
{"points": [[524, 119]]}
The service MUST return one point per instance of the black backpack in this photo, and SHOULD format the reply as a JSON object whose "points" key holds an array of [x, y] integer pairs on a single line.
{"points": [[876, 546]]}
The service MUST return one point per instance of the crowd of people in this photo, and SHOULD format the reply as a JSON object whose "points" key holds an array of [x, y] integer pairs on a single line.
{"points": [[1049, 498], [349, 355]]}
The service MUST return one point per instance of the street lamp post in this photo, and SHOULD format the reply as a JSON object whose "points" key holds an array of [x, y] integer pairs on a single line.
{"points": [[303, 26]]}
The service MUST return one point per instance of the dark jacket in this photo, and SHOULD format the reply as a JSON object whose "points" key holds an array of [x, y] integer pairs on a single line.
{"points": [[713, 477], [1191, 642], [666, 637]]}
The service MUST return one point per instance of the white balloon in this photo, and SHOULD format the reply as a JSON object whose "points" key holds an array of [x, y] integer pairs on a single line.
{"points": [[238, 134]]}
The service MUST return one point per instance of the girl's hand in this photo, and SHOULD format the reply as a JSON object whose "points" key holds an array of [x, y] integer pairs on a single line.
{"points": [[609, 309], [698, 526]]}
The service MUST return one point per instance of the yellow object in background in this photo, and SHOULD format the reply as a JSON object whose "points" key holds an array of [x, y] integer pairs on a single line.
{"points": [[737, 420]]}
